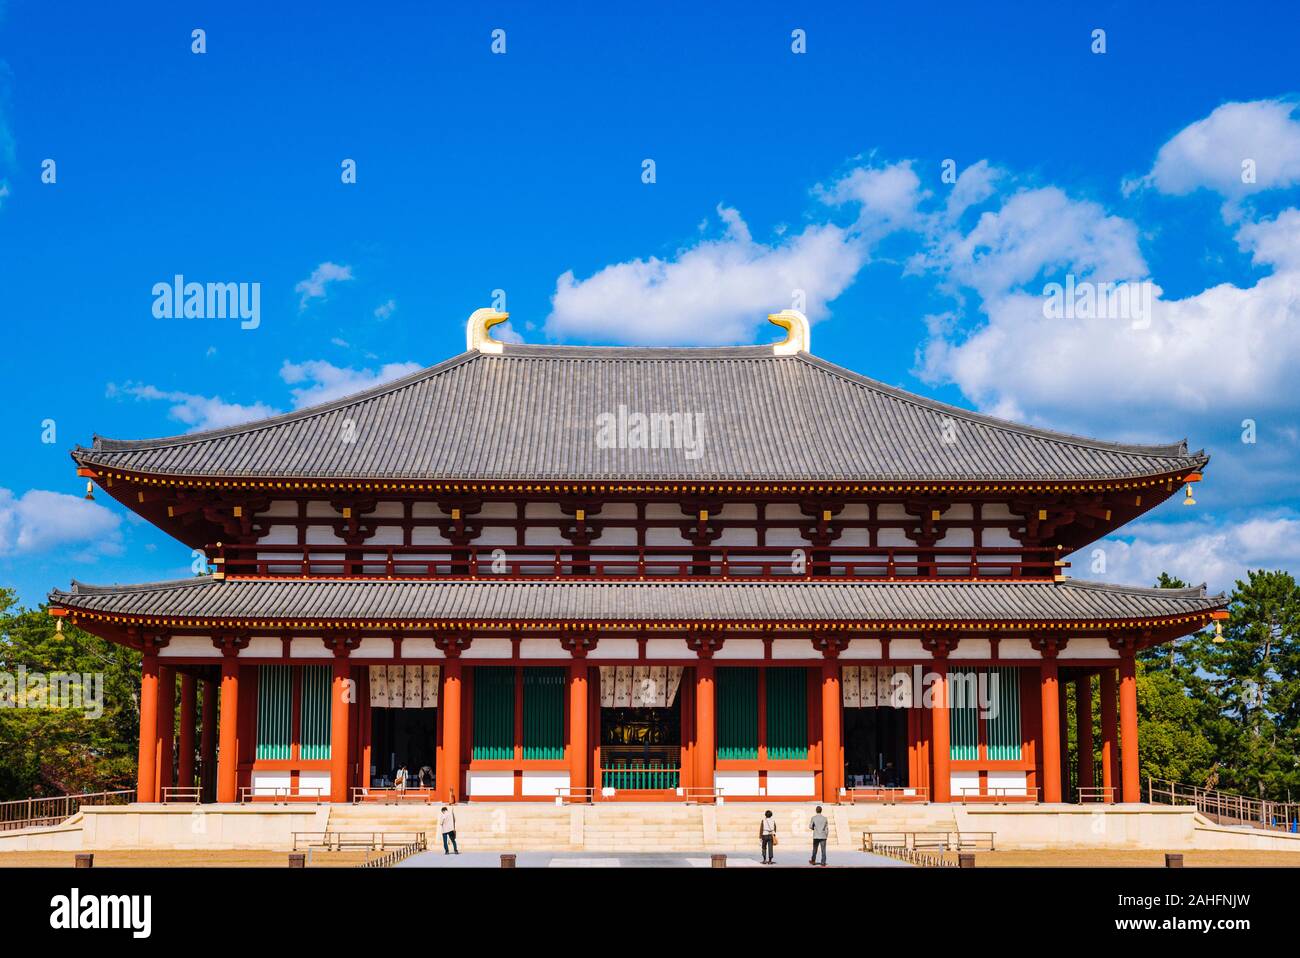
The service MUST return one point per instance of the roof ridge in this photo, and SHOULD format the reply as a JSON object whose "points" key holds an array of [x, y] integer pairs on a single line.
{"points": [[1190, 592], [902, 395]]}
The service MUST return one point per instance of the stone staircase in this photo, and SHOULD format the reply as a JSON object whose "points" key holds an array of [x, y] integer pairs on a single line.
{"points": [[648, 827], [508, 826], [637, 827]]}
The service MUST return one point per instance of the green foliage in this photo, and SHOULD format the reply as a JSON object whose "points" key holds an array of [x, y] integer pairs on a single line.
{"points": [[1227, 714], [47, 751]]}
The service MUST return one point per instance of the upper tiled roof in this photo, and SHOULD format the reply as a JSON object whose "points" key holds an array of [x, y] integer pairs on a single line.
{"points": [[530, 413], [585, 600]]}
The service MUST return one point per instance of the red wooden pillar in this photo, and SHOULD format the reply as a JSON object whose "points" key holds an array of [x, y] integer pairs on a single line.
{"points": [[208, 742], [185, 740], [340, 724], [579, 705], [449, 702], [705, 731], [1083, 730], [1063, 725], [228, 735], [832, 735], [166, 754], [940, 740], [1051, 723], [1109, 735], [147, 768], [1128, 727]]}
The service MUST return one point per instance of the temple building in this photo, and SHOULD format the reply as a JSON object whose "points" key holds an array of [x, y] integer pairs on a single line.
{"points": [[557, 573]]}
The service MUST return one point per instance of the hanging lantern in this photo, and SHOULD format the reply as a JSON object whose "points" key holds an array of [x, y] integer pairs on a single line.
{"points": [[1189, 501], [90, 489], [1218, 633]]}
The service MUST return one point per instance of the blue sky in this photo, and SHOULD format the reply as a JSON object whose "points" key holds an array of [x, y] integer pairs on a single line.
{"points": [[522, 171]]}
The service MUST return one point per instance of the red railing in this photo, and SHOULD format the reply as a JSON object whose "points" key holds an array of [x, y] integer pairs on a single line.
{"points": [[726, 562]]}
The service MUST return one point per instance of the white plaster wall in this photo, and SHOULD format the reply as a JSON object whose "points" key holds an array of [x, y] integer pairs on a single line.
{"points": [[1088, 648], [790, 783], [541, 649], [794, 649], [314, 783], [971, 649], [265, 646], [614, 649], [1008, 780], [543, 782], [734, 783], [863, 649], [1016, 649], [374, 647], [740, 649], [420, 648], [267, 783], [490, 783], [900, 649], [308, 648], [964, 780], [485, 648], [668, 649], [188, 646]]}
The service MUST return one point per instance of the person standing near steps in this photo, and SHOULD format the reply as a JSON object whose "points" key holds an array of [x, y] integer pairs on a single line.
{"points": [[447, 829], [767, 837], [821, 829]]}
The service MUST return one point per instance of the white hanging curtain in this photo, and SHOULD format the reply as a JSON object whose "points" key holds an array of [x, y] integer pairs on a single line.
{"points": [[606, 686]]}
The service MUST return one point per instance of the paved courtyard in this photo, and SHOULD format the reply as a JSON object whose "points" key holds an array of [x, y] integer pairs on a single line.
{"points": [[791, 859]]}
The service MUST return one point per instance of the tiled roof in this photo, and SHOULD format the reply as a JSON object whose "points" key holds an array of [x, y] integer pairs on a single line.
{"points": [[530, 413], [585, 600]]}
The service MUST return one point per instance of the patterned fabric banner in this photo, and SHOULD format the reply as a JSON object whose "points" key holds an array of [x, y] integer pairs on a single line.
{"points": [[432, 676], [639, 686], [396, 686], [378, 686], [413, 693], [871, 686]]}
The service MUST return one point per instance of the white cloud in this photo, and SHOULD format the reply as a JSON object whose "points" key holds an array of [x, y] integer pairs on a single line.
{"points": [[314, 287], [974, 185], [40, 520], [718, 290], [1035, 232], [317, 381], [1226, 347], [1193, 552], [386, 309], [1209, 153], [199, 413]]}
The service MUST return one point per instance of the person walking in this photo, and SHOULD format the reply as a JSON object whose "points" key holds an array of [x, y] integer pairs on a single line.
{"points": [[399, 781], [447, 829], [821, 829], [767, 837]]}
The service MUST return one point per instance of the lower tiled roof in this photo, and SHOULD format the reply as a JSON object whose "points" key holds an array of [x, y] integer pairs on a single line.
{"points": [[281, 599]]}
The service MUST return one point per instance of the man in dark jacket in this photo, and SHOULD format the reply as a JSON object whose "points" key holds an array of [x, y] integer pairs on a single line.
{"points": [[821, 830]]}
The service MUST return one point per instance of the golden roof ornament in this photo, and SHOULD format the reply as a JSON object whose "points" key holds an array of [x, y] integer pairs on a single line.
{"points": [[477, 336], [797, 338]]}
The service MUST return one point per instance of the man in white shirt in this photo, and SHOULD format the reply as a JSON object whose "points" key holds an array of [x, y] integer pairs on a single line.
{"points": [[447, 829]]}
